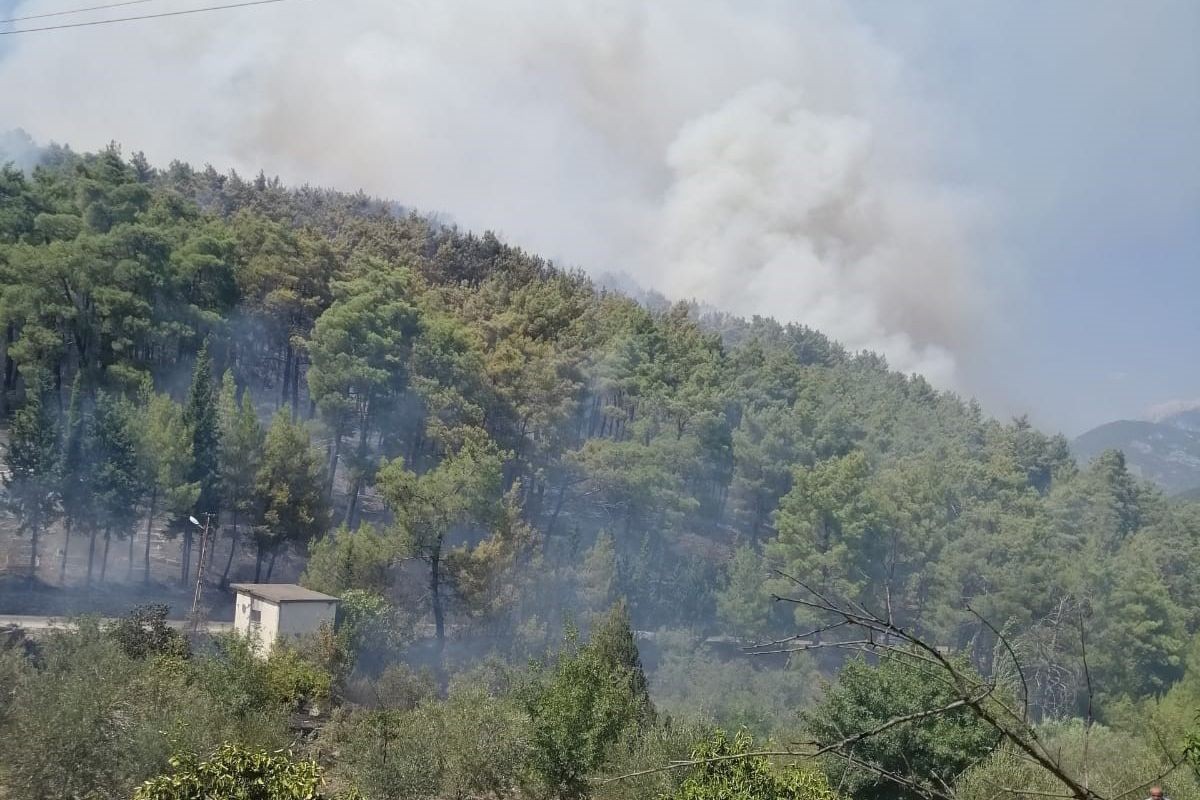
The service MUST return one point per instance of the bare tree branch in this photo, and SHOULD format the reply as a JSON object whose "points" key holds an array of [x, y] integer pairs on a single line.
{"points": [[1012, 654]]}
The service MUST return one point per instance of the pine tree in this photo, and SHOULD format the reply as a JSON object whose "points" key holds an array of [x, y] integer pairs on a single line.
{"points": [[744, 603], [33, 459], [597, 575], [203, 420], [165, 453], [241, 455], [612, 640], [74, 488], [288, 490], [116, 477], [427, 507]]}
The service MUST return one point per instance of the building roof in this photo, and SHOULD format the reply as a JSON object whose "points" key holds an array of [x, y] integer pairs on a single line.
{"points": [[282, 593]]}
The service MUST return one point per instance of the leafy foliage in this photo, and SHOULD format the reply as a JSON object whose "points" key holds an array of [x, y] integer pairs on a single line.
{"points": [[932, 748], [728, 772], [33, 467], [1117, 762], [593, 696], [293, 507], [235, 773], [144, 632], [345, 559], [84, 718]]}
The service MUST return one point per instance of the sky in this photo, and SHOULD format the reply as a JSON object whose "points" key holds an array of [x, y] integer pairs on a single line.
{"points": [[1003, 196], [1083, 120]]}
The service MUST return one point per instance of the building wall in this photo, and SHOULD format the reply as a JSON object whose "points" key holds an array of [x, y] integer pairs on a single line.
{"points": [[277, 620], [298, 619], [261, 632]]}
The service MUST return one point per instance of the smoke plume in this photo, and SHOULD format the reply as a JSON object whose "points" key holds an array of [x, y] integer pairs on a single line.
{"points": [[761, 157]]}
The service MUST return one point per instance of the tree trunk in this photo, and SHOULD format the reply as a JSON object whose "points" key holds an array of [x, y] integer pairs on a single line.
{"points": [[91, 556], [258, 561], [33, 554], [352, 503], [233, 544], [333, 458], [287, 374], [149, 526], [185, 566], [104, 560], [558, 504], [10, 366], [296, 388], [62, 564], [351, 519], [435, 597], [129, 570], [271, 563]]}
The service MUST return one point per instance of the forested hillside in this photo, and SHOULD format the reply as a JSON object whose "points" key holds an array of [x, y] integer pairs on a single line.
{"points": [[1164, 451], [489, 444]]}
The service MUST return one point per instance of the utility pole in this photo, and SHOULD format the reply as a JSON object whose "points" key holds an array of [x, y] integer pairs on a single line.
{"points": [[199, 567]]}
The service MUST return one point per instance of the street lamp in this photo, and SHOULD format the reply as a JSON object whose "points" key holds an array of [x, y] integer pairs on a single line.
{"points": [[200, 566]]}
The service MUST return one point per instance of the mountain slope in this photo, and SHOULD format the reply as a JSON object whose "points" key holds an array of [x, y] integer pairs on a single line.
{"points": [[1166, 452]]}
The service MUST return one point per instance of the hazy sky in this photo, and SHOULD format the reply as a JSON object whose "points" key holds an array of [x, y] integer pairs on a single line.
{"points": [[1005, 195], [1084, 122]]}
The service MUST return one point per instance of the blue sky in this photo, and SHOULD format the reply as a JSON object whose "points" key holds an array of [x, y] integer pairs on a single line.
{"points": [[1078, 121]]}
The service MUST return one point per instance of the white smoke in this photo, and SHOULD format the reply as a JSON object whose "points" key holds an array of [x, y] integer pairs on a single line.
{"points": [[762, 157]]}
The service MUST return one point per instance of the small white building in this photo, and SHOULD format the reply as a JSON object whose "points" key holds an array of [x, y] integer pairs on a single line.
{"points": [[266, 612]]}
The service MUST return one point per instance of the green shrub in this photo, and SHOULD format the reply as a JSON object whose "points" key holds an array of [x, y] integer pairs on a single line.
{"points": [[370, 628], [647, 751], [728, 773], [398, 688], [293, 680], [1116, 764], [732, 693], [934, 748], [472, 744], [244, 683], [235, 773], [144, 632], [593, 696], [89, 721]]}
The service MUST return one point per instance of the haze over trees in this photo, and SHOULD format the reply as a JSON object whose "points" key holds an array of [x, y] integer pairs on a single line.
{"points": [[454, 432]]}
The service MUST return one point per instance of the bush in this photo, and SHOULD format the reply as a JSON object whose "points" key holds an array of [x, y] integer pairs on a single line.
{"points": [[732, 693], [90, 721], [484, 742], [594, 695], [473, 744], [934, 748], [399, 688], [1117, 763], [144, 632], [292, 680], [650, 748], [244, 683], [721, 777], [370, 628], [235, 773]]}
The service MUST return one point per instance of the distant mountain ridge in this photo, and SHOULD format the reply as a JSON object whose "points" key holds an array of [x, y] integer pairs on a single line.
{"points": [[1165, 450]]}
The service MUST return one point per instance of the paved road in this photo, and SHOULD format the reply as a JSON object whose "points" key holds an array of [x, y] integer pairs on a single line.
{"points": [[52, 623]]}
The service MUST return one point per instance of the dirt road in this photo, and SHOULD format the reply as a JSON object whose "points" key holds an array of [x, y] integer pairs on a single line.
{"points": [[61, 623]]}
